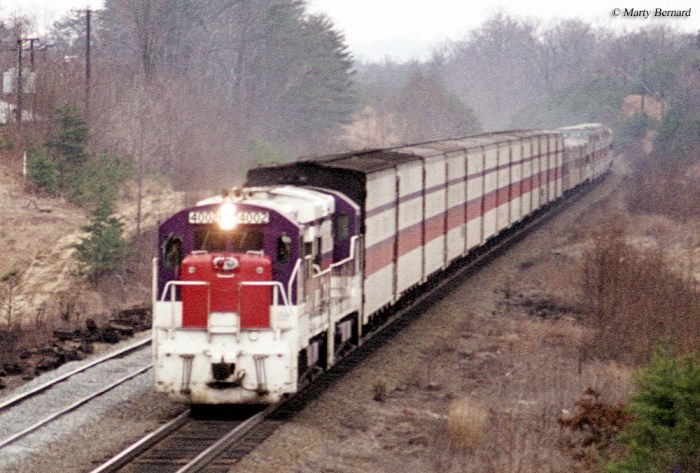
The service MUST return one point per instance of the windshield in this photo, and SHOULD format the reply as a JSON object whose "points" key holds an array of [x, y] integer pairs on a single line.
{"points": [[239, 240]]}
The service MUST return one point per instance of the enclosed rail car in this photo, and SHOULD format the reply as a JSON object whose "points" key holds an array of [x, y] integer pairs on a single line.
{"points": [[257, 290]]}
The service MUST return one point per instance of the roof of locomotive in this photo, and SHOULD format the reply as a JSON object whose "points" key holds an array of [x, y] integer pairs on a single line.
{"points": [[299, 205]]}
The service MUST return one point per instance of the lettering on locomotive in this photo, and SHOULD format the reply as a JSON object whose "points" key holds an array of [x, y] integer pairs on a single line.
{"points": [[202, 217]]}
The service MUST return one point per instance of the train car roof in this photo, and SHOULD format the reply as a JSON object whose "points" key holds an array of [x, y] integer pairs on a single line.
{"points": [[374, 160], [347, 172]]}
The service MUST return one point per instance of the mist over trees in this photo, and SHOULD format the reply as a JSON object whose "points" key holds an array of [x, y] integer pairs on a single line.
{"points": [[408, 103], [196, 89], [202, 90], [227, 74], [517, 73]]}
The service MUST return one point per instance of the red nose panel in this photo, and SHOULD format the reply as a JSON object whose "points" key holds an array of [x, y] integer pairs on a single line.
{"points": [[230, 290]]}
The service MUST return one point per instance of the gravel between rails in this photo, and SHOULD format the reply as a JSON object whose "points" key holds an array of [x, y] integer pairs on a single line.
{"points": [[71, 442]]}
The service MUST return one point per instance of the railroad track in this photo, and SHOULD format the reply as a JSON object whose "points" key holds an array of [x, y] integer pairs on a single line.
{"points": [[29, 412], [188, 444]]}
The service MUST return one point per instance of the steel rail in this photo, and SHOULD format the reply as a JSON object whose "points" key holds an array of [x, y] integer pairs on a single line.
{"points": [[143, 444], [13, 438], [217, 448], [41, 388]]}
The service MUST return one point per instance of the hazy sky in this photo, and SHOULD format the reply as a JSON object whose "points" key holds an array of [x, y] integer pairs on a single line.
{"points": [[407, 29]]}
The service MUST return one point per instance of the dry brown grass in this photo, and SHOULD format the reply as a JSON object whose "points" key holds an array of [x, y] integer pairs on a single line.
{"points": [[592, 427], [637, 299], [665, 187], [514, 385], [465, 424]]}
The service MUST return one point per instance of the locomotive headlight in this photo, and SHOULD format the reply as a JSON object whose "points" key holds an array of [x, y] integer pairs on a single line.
{"points": [[227, 216]]}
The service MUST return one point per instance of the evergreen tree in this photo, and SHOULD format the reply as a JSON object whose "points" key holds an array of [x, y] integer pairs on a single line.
{"points": [[99, 179], [665, 435], [103, 251], [68, 147], [320, 94], [42, 171], [65, 167]]}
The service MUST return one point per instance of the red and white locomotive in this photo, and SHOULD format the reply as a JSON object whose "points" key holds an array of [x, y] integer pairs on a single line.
{"points": [[257, 290]]}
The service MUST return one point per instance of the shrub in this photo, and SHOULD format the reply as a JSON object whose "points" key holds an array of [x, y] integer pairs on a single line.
{"points": [[103, 251], [665, 433], [632, 129], [636, 300], [42, 171], [663, 187], [596, 421], [68, 145], [65, 167], [100, 178]]}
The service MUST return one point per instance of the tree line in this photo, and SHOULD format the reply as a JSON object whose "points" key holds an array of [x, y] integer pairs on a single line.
{"points": [[201, 90]]}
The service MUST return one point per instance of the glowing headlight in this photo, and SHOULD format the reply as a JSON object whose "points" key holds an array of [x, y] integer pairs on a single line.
{"points": [[227, 216]]}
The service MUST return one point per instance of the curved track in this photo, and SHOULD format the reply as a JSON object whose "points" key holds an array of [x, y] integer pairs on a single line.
{"points": [[188, 444], [26, 413]]}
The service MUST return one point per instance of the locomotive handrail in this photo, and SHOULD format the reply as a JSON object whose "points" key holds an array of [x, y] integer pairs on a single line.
{"points": [[351, 257], [171, 285], [353, 245], [295, 273], [154, 281]]}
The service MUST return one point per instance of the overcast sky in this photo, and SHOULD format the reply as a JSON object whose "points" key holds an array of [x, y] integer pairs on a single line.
{"points": [[409, 29]]}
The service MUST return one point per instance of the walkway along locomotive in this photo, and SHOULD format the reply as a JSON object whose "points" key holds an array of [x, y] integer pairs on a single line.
{"points": [[257, 290]]}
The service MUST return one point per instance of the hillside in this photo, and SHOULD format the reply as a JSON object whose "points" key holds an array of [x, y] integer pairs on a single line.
{"points": [[38, 233]]}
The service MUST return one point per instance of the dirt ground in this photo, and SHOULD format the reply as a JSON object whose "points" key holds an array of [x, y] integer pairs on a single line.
{"points": [[479, 382], [38, 233]]}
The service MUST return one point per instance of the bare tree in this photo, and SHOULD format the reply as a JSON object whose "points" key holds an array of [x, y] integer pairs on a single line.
{"points": [[494, 70], [566, 52], [425, 109], [10, 282]]}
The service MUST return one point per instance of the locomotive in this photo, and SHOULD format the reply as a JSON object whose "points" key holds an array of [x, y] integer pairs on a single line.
{"points": [[259, 289]]}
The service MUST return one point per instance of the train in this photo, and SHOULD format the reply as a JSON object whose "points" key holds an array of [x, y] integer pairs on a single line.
{"points": [[258, 290]]}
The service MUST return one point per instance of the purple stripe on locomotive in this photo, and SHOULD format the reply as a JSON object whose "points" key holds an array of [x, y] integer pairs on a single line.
{"points": [[178, 225]]}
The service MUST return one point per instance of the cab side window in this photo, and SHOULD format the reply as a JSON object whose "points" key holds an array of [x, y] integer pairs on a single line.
{"points": [[172, 251], [342, 227], [318, 251], [284, 249]]}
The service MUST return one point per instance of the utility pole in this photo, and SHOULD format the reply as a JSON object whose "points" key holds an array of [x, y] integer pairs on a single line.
{"points": [[88, 72], [31, 52], [20, 71], [88, 17], [19, 80]]}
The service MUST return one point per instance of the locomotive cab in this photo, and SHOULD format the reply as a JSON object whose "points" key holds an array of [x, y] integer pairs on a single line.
{"points": [[241, 286]]}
